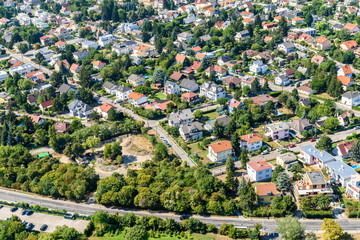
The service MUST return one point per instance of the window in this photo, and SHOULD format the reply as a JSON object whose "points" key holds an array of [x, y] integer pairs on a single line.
{"points": [[267, 170], [260, 178]]}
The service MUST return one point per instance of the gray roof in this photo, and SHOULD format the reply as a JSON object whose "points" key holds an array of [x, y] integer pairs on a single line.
{"points": [[341, 169], [300, 125], [316, 177], [223, 120], [288, 44], [288, 157], [123, 88], [109, 85], [191, 128], [225, 58], [275, 127], [188, 84], [351, 94], [322, 155], [79, 106], [182, 115], [64, 88]]}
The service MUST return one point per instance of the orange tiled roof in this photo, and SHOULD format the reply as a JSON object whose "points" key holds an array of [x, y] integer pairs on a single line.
{"points": [[251, 138], [136, 95], [221, 146], [259, 165]]}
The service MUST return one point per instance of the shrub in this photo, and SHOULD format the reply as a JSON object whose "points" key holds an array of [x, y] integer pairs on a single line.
{"points": [[318, 214]]}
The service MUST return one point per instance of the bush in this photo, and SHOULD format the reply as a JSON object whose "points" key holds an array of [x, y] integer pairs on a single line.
{"points": [[318, 214]]}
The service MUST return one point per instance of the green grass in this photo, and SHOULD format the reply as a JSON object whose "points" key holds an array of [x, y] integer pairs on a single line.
{"points": [[160, 96], [211, 115], [161, 237], [201, 153]]}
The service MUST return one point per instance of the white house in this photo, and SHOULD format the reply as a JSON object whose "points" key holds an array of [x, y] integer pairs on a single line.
{"points": [[171, 88], [78, 108], [282, 80], [343, 149], [180, 117], [258, 67], [252, 142], [89, 44], [137, 99], [345, 71], [340, 171], [22, 69], [286, 47], [351, 98], [259, 170], [278, 130], [311, 156], [3, 76], [122, 92], [220, 151], [353, 186], [105, 40], [191, 131], [212, 91]]}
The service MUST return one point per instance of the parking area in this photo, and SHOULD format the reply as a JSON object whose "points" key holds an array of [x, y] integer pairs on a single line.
{"points": [[38, 219]]}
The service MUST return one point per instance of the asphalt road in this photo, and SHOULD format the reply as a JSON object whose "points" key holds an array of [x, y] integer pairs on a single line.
{"points": [[269, 225]]}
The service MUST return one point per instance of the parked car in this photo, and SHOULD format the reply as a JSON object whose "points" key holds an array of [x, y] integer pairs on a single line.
{"points": [[24, 212], [265, 152], [30, 226], [357, 127], [183, 217], [30, 212], [1, 206], [43, 227], [279, 149], [313, 140], [292, 145], [14, 209]]}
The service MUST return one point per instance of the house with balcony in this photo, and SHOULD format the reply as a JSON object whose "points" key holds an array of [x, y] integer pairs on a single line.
{"points": [[258, 67], [251, 142], [171, 88], [220, 151], [266, 192], [286, 160], [212, 91], [340, 171], [176, 119], [312, 184], [259, 170], [191, 131], [311, 156], [351, 98], [277, 131], [353, 187]]}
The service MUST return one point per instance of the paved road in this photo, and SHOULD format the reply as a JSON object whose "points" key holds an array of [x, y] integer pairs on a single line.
{"points": [[23, 59], [88, 209]]}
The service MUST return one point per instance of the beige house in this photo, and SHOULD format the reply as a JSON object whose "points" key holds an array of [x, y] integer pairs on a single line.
{"points": [[219, 151], [286, 160]]}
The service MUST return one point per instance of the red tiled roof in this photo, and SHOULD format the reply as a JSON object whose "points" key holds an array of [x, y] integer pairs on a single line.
{"points": [[106, 107], [188, 96], [265, 189], [196, 65], [176, 76], [347, 69], [221, 146], [259, 165], [136, 95], [345, 80], [345, 147], [215, 68], [180, 58], [46, 104], [321, 40], [350, 26], [251, 138]]}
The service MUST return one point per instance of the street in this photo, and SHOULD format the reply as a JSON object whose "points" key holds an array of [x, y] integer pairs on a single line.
{"points": [[269, 225]]}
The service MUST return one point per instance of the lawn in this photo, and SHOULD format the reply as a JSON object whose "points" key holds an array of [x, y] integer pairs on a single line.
{"points": [[211, 115], [166, 237], [160, 96], [201, 153]]}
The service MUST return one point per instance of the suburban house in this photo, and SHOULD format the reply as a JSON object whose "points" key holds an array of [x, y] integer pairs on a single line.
{"points": [[343, 149], [266, 192], [275, 131], [141, 51], [104, 109], [232, 81], [353, 187], [345, 71], [259, 170], [282, 80], [62, 127], [78, 108], [220, 151], [212, 91], [223, 60], [311, 155], [251, 142], [300, 125], [185, 36], [4, 97], [45, 105], [216, 69], [353, 28], [224, 120], [242, 35], [137, 99], [261, 100], [346, 82], [258, 67], [122, 92], [110, 87], [135, 80], [75, 68], [191, 131], [312, 184], [188, 85], [286, 47], [190, 97], [286, 160], [177, 76], [233, 104], [80, 55], [180, 117], [344, 118], [340, 171], [305, 89], [323, 43], [349, 45], [99, 65], [65, 88], [351, 98], [171, 88]]}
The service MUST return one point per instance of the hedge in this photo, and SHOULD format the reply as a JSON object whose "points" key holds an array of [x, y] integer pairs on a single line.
{"points": [[268, 212], [318, 214], [275, 94]]}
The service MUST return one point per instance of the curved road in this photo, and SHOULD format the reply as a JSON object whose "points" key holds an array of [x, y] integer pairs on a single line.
{"points": [[269, 226]]}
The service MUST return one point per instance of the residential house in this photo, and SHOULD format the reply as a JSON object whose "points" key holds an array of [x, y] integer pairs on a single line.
{"points": [[346, 82], [305, 89], [318, 59], [266, 192], [75, 68], [78, 108], [344, 119], [259, 170], [105, 40], [303, 70], [261, 100], [251, 142], [37, 120], [3, 76], [242, 35], [223, 120], [220, 151], [104, 109], [277, 131], [171, 88], [135, 80], [345, 71], [232, 81], [349, 45], [99, 65], [233, 104], [188, 85], [247, 80], [65, 88], [222, 60], [185, 36], [323, 43], [212, 91], [351, 98], [4, 98], [282, 80], [22, 69], [45, 105], [286, 160], [353, 187], [141, 51], [340, 171], [258, 67], [286, 47], [110, 87], [215, 69], [61, 127], [80, 55], [137, 99], [180, 58], [191, 131], [123, 48], [290, 73], [64, 63], [312, 184], [353, 28], [190, 97], [61, 45], [311, 156], [180, 117], [32, 99], [122, 92], [301, 125]]}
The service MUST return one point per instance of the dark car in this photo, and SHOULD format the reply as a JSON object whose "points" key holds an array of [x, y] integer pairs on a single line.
{"points": [[14, 209], [29, 212], [1, 206], [24, 212], [43, 227], [30, 227], [183, 217]]}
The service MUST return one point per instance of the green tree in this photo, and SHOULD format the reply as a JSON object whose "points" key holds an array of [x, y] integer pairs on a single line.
{"points": [[290, 228], [283, 182], [159, 76], [23, 48], [198, 114], [230, 173], [331, 123], [355, 151], [218, 130], [325, 143], [278, 169], [244, 158], [92, 143], [333, 230]]}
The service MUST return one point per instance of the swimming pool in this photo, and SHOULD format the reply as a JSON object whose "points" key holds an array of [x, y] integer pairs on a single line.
{"points": [[355, 166]]}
